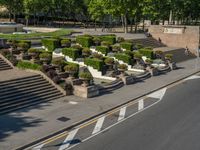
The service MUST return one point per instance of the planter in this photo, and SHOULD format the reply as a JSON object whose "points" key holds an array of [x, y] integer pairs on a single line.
{"points": [[110, 67]]}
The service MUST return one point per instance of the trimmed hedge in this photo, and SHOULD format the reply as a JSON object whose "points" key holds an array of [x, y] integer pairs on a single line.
{"points": [[95, 63], [127, 46], [24, 41], [71, 52], [84, 41], [28, 65], [103, 49], [123, 57], [109, 38], [51, 44], [148, 53]]}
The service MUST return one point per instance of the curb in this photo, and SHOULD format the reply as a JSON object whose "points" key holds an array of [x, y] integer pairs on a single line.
{"points": [[102, 113]]}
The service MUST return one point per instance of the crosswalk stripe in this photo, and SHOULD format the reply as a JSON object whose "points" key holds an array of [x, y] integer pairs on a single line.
{"points": [[122, 113], [140, 104], [98, 125], [38, 147], [68, 139]]}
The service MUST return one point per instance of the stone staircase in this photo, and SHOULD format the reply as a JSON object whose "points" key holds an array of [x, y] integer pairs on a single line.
{"points": [[24, 92], [149, 42], [4, 65]]}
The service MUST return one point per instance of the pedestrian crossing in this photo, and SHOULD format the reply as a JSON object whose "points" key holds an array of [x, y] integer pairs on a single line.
{"points": [[101, 124]]}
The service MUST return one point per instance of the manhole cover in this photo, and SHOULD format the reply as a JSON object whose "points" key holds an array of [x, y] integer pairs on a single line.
{"points": [[63, 119]]}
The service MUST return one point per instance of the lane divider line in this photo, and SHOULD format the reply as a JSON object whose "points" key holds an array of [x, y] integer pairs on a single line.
{"points": [[122, 113], [98, 125], [140, 104], [66, 143], [39, 147]]}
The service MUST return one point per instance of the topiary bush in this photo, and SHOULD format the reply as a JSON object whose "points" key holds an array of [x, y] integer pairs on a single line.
{"points": [[95, 63], [65, 42], [127, 46], [84, 40], [51, 44], [148, 53], [109, 61], [45, 55], [109, 38], [103, 49], [86, 76], [123, 57], [71, 52], [28, 43], [98, 56]]}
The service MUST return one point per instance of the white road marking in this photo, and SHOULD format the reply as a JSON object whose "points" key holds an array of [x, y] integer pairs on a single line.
{"points": [[38, 147], [68, 139], [99, 125], [122, 113], [192, 78], [140, 104], [73, 103], [115, 124], [158, 94]]}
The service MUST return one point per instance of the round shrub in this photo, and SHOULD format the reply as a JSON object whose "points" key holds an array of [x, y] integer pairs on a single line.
{"points": [[109, 61], [45, 55], [122, 67], [86, 76], [71, 68], [120, 39]]}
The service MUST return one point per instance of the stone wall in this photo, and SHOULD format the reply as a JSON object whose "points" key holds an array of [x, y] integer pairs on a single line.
{"points": [[177, 36]]}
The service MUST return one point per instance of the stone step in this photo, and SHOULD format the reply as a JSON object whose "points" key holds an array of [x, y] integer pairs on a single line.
{"points": [[26, 97], [23, 86], [24, 92], [29, 104], [18, 80]]}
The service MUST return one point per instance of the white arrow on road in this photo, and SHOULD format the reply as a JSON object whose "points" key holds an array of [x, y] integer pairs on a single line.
{"points": [[192, 78], [158, 94]]}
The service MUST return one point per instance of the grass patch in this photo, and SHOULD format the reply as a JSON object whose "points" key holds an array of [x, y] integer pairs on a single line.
{"points": [[62, 32]]}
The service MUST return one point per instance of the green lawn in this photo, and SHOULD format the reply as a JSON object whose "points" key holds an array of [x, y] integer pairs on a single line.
{"points": [[61, 32]]}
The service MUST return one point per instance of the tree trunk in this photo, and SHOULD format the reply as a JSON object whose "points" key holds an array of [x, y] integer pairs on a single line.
{"points": [[136, 24], [122, 18], [131, 25], [125, 24], [95, 25]]}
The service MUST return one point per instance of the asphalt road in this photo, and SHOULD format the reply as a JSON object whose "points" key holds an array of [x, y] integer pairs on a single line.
{"points": [[172, 124]]}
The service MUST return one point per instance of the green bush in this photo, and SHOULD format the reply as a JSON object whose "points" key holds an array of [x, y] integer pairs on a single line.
{"points": [[123, 57], [148, 53], [28, 65], [109, 38], [45, 55], [20, 43], [65, 42], [51, 44], [84, 41], [71, 52], [86, 75], [103, 49], [95, 63], [109, 61], [127, 46]]}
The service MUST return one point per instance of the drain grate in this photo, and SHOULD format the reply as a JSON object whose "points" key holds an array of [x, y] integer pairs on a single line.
{"points": [[63, 119]]}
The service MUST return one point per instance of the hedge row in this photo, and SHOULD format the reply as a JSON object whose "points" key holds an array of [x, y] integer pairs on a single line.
{"points": [[84, 41], [103, 49], [71, 52], [51, 44], [123, 57], [127, 46], [95, 63], [109, 38], [148, 53], [28, 65]]}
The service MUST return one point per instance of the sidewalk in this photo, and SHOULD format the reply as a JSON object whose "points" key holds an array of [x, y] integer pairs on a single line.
{"points": [[28, 125]]}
